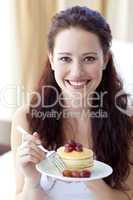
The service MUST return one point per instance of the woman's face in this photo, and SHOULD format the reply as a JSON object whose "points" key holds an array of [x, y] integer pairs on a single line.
{"points": [[77, 61]]}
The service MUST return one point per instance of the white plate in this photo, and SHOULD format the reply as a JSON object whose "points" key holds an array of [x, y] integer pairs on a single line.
{"points": [[100, 170]]}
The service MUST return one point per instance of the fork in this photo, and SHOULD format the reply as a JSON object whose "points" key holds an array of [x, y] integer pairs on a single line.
{"points": [[51, 155]]}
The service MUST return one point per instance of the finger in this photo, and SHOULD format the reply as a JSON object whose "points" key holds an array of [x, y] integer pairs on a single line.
{"points": [[29, 159], [35, 134], [32, 145], [31, 137], [31, 151]]}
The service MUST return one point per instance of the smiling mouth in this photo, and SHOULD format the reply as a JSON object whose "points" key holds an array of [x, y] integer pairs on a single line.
{"points": [[77, 84]]}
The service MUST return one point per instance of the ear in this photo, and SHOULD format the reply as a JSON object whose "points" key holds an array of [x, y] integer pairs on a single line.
{"points": [[106, 59], [50, 56]]}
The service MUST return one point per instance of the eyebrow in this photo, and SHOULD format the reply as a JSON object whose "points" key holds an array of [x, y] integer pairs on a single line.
{"points": [[84, 54]]}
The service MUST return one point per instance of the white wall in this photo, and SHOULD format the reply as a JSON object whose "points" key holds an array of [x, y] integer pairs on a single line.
{"points": [[123, 54], [9, 60]]}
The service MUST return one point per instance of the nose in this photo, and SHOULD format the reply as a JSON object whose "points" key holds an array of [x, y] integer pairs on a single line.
{"points": [[77, 69]]}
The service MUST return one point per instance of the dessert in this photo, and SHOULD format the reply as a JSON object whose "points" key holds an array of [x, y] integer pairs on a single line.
{"points": [[78, 159]]}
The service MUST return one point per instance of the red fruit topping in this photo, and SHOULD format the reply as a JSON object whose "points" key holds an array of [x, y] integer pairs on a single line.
{"points": [[68, 149], [72, 145], [67, 173], [66, 145], [85, 173], [76, 174], [79, 148], [79, 145]]}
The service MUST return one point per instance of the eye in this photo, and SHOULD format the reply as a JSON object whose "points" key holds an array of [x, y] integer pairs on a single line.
{"points": [[65, 59], [89, 59]]}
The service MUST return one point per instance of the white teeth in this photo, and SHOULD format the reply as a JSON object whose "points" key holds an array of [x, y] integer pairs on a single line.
{"points": [[77, 83]]}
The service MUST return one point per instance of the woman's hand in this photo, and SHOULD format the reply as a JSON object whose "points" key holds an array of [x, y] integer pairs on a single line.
{"points": [[28, 155]]}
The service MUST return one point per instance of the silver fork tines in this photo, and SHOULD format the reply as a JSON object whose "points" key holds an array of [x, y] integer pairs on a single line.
{"points": [[57, 161]]}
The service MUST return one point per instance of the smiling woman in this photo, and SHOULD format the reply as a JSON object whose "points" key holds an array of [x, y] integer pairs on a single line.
{"points": [[80, 66], [77, 65]]}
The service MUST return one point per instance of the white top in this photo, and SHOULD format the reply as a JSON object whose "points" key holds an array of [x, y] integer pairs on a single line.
{"points": [[60, 190]]}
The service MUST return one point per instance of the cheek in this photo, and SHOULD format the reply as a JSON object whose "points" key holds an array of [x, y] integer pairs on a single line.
{"points": [[59, 73], [59, 76], [96, 73]]}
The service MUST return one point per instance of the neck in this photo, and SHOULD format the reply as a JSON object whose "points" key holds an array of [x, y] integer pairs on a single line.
{"points": [[77, 103], [78, 128]]}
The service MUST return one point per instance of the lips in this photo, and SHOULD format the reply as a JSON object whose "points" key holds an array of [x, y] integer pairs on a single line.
{"points": [[77, 84], [81, 83]]}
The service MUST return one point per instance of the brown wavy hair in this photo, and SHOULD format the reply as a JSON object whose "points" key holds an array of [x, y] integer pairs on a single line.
{"points": [[112, 135]]}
